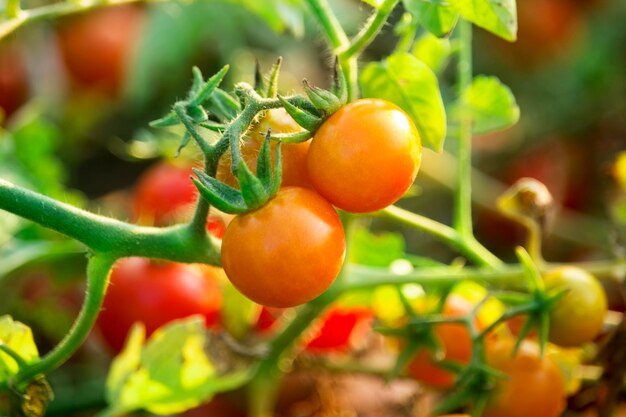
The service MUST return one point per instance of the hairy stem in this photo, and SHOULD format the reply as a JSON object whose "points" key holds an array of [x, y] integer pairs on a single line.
{"points": [[373, 26]]}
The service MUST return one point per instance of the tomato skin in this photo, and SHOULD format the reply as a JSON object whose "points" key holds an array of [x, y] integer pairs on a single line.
{"points": [[365, 156], [294, 155], [155, 293], [456, 343], [535, 386], [96, 47], [287, 252], [340, 326], [14, 86], [578, 317]]}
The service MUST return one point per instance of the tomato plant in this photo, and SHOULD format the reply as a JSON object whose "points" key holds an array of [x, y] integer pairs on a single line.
{"points": [[365, 156], [252, 244], [155, 293], [456, 345], [578, 317], [533, 387], [97, 47], [14, 87]]}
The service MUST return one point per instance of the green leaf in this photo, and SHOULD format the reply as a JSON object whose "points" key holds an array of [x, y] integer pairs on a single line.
{"points": [[497, 16], [432, 51], [239, 313], [492, 104], [18, 338], [171, 373], [376, 250], [435, 15], [409, 83], [619, 170]]}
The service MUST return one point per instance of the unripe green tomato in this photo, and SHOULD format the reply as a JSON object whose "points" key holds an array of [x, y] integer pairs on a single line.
{"points": [[578, 316]]}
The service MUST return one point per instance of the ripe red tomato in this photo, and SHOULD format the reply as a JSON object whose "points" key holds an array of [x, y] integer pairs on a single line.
{"points": [[96, 47], [293, 155], [268, 318], [13, 78], [365, 156], [535, 386], [456, 343], [339, 328], [287, 252], [578, 317], [155, 293], [165, 195]]}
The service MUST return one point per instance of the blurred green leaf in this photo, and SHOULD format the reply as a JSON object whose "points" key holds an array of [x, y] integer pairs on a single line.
{"points": [[170, 373], [376, 250], [18, 253], [619, 170], [239, 313], [497, 16], [19, 338], [432, 51], [435, 15], [409, 83], [492, 104]]}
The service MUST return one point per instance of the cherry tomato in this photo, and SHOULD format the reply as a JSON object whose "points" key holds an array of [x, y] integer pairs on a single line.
{"points": [[96, 47], [165, 195], [535, 386], [456, 343], [13, 78], [578, 317], [268, 318], [156, 292], [293, 155], [340, 327], [365, 156], [287, 252]]}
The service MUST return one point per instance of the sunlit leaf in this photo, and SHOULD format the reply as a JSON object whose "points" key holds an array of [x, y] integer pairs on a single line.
{"points": [[619, 170], [492, 105], [19, 339], [432, 51], [376, 249], [409, 83], [497, 16], [238, 313], [435, 15]]}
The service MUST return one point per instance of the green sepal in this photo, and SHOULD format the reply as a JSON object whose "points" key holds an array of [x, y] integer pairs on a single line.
{"points": [[219, 195], [223, 105], [166, 121], [196, 113], [259, 82], [297, 137], [197, 82], [208, 88], [272, 88], [264, 163], [213, 126], [340, 86], [324, 100], [277, 178], [184, 142], [252, 190], [302, 117], [305, 104]]}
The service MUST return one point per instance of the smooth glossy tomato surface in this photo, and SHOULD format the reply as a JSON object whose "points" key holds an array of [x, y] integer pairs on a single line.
{"points": [[97, 46], [534, 386], [578, 317], [287, 252], [13, 78], [293, 155], [155, 293], [339, 329], [365, 156], [456, 343], [164, 194]]}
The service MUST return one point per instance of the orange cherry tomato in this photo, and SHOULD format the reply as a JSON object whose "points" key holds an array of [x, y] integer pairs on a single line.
{"points": [[534, 386], [287, 252], [456, 343], [293, 155], [365, 156]]}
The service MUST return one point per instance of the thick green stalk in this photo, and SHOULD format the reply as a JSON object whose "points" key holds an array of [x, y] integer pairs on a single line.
{"points": [[98, 271], [105, 235], [463, 195]]}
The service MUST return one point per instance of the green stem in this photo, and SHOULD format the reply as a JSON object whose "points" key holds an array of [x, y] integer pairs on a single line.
{"points": [[98, 271], [463, 195], [106, 235], [198, 222], [367, 34], [468, 246]]}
